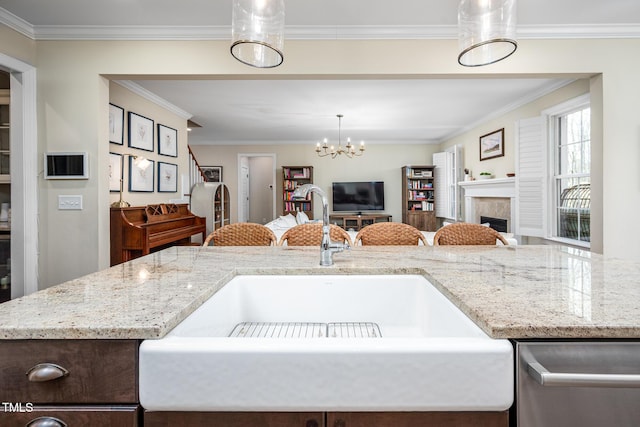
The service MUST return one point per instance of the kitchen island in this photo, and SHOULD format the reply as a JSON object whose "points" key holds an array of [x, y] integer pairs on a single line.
{"points": [[510, 292], [515, 292]]}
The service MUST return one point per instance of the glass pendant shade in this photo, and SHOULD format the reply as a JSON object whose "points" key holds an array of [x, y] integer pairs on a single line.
{"points": [[258, 32], [486, 31]]}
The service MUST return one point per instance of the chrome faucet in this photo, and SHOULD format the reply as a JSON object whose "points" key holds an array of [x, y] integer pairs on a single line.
{"points": [[327, 247]]}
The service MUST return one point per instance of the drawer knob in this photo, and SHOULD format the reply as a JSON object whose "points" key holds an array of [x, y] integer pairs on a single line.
{"points": [[46, 422], [46, 372]]}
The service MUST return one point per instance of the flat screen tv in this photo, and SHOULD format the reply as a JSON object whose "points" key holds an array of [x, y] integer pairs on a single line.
{"points": [[358, 196]]}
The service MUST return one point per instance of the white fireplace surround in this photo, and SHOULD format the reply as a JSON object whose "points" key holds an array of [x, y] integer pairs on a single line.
{"points": [[498, 187]]}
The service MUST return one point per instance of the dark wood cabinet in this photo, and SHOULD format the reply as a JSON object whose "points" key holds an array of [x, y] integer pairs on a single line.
{"points": [[54, 416], [356, 222], [234, 419], [77, 382], [418, 419], [329, 419], [418, 197]]}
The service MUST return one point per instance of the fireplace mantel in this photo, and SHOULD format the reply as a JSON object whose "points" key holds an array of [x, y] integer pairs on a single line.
{"points": [[498, 188]]}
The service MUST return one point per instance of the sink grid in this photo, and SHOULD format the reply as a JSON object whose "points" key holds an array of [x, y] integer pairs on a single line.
{"points": [[306, 330]]}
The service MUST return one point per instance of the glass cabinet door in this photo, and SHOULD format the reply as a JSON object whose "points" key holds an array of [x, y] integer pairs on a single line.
{"points": [[4, 142]]}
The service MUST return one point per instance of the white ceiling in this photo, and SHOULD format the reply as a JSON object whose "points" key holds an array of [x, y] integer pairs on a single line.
{"points": [[302, 111]]}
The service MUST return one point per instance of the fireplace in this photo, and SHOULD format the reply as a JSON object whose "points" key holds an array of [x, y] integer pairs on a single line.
{"points": [[498, 224], [494, 198]]}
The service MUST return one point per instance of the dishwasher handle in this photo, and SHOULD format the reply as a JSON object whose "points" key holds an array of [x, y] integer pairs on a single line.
{"points": [[558, 379]]}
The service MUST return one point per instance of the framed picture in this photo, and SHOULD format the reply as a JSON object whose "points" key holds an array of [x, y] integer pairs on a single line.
{"points": [[116, 124], [167, 177], [492, 145], [212, 173], [141, 179], [167, 141], [140, 132], [115, 172]]}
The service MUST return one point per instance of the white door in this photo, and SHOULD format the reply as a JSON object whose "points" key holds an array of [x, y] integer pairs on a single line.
{"points": [[256, 203], [245, 201]]}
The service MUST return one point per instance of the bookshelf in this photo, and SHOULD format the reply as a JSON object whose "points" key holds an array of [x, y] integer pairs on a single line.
{"points": [[418, 197], [292, 177]]}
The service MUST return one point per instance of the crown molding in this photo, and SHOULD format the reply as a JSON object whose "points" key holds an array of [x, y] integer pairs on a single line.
{"points": [[152, 97], [510, 107], [127, 32], [591, 31], [311, 32], [16, 23], [299, 32]]}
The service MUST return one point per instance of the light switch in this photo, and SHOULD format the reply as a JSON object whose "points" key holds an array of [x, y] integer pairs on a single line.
{"points": [[70, 202]]}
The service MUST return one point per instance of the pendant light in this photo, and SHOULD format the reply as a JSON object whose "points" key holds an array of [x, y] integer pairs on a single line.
{"points": [[486, 31], [258, 32]]}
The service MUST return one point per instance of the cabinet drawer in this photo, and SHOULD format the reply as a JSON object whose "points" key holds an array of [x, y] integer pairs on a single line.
{"points": [[235, 419], [94, 416], [98, 371]]}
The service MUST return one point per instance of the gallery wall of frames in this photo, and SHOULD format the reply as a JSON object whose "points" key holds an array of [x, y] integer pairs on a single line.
{"points": [[142, 136]]}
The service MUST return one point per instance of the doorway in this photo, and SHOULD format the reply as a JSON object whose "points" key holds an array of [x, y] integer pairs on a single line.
{"points": [[256, 187], [23, 176]]}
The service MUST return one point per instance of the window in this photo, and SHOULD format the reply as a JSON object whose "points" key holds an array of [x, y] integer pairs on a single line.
{"points": [[553, 173], [571, 180]]}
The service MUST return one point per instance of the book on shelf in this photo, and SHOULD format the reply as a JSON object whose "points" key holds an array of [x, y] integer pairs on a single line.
{"points": [[297, 206], [300, 173], [288, 195]]}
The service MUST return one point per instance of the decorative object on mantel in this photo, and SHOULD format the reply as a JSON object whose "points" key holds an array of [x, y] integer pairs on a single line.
{"points": [[511, 175], [485, 175], [349, 149], [486, 31], [140, 163], [492, 145], [257, 32]]}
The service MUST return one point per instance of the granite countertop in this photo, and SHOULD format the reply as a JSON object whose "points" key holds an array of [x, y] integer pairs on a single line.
{"points": [[510, 292]]}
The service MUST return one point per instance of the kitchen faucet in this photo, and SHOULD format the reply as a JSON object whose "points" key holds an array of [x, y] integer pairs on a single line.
{"points": [[327, 247]]}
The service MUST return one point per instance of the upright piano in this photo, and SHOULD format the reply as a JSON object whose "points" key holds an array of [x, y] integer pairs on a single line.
{"points": [[140, 230]]}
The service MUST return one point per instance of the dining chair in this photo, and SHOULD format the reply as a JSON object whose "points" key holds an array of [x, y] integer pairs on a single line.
{"points": [[463, 233], [311, 235], [389, 233], [241, 234]]}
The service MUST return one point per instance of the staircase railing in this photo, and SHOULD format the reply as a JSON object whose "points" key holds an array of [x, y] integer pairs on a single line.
{"points": [[196, 175]]}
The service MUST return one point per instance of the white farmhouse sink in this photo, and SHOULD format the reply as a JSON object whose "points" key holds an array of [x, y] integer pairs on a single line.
{"points": [[429, 357]]}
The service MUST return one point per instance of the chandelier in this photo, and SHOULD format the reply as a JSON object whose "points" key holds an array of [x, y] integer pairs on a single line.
{"points": [[348, 150], [487, 31]]}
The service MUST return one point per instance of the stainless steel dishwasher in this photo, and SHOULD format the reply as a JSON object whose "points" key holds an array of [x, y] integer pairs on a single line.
{"points": [[581, 384]]}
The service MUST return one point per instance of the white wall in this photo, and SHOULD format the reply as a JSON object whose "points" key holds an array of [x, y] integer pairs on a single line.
{"points": [[73, 97]]}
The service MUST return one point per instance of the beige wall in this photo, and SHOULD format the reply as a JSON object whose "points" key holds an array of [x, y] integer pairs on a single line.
{"points": [[130, 101], [500, 166], [17, 46], [73, 100], [379, 163]]}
